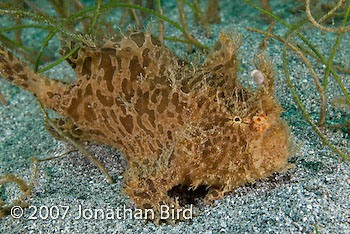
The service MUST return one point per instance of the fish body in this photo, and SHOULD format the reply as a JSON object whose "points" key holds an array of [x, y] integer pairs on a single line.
{"points": [[176, 123]]}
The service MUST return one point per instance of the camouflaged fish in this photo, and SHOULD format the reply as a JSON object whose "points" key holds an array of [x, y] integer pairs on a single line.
{"points": [[176, 123]]}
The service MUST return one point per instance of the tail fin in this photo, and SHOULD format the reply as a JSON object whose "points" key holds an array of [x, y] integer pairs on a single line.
{"points": [[14, 70]]}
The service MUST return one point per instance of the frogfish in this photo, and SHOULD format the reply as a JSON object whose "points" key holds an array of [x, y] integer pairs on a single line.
{"points": [[178, 124]]}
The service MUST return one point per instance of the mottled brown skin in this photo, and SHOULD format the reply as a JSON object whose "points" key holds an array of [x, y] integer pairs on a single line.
{"points": [[176, 123]]}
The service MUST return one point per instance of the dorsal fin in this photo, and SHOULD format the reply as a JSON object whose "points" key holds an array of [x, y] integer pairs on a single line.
{"points": [[89, 60]]}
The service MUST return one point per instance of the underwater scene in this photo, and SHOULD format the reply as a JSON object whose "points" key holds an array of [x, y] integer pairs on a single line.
{"points": [[179, 116]]}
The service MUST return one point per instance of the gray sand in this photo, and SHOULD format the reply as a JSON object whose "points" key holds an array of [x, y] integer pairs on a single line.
{"points": [[314, 192]]}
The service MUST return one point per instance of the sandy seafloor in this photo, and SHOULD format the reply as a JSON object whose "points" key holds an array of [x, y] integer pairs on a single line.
{"points": [[315, 192]]}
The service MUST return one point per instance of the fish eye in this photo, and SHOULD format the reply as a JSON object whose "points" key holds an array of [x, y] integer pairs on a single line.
{"points": [[237, 119]]}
